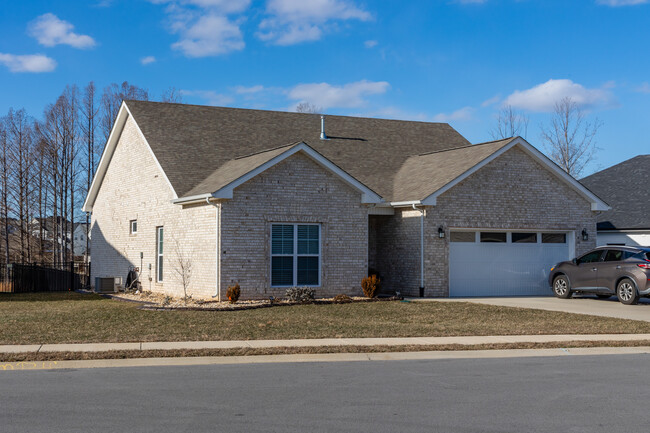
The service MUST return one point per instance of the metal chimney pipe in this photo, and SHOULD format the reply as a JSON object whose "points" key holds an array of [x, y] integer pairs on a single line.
{"points": [[322, 128]]}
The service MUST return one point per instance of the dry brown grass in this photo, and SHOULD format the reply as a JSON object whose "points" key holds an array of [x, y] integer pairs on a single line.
{"points": [[247, 351], [69, 317]]}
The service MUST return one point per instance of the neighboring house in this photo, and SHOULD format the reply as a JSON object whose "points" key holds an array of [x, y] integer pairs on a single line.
{"points": [[79, 235], [271, 200], [625, 187]]}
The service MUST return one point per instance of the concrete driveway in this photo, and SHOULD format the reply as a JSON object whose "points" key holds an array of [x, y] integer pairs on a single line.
{"points": [[579, 305]]}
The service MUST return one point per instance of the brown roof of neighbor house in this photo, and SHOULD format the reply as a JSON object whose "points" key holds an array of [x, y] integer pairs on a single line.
{"points": [[436, 169], [624, 187], [198, 146]]}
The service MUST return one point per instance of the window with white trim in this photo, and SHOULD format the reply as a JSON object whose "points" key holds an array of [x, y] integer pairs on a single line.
{"points": [[159, 254], [295, 255], [133, 227]]}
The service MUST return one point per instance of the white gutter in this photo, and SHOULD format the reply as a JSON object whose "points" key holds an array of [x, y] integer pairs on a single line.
{"points": [[421, 249], [217, 208], [195, 198]]}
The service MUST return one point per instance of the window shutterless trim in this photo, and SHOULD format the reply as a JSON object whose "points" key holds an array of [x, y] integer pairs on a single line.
{"points": [[160, 238], [295, 255]]}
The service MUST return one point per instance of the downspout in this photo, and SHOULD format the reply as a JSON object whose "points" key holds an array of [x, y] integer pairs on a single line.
{"points": [[421, 250], [217, 208]]}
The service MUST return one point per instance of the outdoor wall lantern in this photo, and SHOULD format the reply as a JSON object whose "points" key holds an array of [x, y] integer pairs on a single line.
{"points": [[441, 232], [585, 235]]}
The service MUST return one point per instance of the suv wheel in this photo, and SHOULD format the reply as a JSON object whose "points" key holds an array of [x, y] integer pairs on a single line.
{"points": [[561, 287], [626, 292]]}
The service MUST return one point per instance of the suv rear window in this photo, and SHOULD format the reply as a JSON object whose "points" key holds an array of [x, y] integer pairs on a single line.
{"points": [[614, 256], [642, 255]]}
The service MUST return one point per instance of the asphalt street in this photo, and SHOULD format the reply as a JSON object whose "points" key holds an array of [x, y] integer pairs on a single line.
{"points": [[557, 394]]}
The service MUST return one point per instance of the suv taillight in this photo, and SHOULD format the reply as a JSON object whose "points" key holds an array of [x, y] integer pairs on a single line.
{"points": [[644, 265]]}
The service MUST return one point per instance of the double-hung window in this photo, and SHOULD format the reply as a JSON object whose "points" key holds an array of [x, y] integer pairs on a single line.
{"points": [[159, 254], [295, 255]]}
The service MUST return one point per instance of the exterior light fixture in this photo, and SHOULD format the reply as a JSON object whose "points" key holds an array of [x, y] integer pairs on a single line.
{"points": [[585, 235], [441, 232]]}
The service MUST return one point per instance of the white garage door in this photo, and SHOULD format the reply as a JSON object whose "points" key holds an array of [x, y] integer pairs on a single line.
{"points": [[490, 263]]}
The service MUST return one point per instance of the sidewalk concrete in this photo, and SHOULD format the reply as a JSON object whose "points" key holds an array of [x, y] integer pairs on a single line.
{"points": [[322, 342]]}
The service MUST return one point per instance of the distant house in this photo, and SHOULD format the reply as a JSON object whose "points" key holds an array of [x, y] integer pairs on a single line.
{"points": [[79, 235], [625, 187], [51, 229], [271, 200]]}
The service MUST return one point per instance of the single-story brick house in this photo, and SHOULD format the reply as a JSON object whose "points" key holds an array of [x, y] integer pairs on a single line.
{"points": [[272, 200], [624, 187]]}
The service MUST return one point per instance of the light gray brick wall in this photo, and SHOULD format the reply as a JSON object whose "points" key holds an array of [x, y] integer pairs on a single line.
{"points": [[512, 192], [294, 191], [135, 188]]}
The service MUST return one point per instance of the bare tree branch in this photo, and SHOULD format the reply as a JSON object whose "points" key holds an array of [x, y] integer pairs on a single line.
{"points": [[510, 123], [569, 138]]}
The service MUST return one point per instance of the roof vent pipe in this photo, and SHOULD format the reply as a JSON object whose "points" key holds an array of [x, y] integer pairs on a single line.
{"points": [[322, 128]]}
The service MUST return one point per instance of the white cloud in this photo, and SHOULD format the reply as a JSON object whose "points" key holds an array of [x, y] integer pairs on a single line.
{"points": [[28, 63], [211, 35], [326, 95], [543, 97], [617, 3], [295, 21], [462, 114], [204, 26], [243, 90], [370, 43], [49, 30], [210, 96], [147, 60]]}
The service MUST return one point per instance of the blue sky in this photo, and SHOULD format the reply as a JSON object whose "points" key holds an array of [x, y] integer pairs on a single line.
{"points": [[431, 60]]}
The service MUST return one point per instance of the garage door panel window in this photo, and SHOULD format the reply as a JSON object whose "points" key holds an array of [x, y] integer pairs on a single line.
{"points": [[495, 237], [295, 255], [553, 238], [524, 238], [462, 237]]}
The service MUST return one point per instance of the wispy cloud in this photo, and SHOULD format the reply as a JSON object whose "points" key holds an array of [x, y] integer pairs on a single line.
{"points": [[49, 31], [326, 95], [543, 97], [462, 114], [493, 100], [643, 88], [210, 97], [205, 27], [294, 21], [618, 3], [28, 63], [147, 60], [243, 90], [370, 44]]}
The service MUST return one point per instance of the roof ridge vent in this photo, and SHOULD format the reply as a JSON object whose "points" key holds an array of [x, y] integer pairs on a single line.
{"points": [[323, 136]]}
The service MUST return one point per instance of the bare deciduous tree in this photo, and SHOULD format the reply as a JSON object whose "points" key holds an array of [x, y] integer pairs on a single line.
{"points": [[510, 123], [306, 107], [570, 138], [172, 94], [182, 267], [112, 100]]}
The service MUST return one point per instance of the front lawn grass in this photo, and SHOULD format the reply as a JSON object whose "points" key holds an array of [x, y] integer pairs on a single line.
{"points": [[75, 318]]}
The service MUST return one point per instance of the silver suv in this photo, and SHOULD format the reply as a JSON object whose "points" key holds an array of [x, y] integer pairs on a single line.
{"points": [[605, 271]]}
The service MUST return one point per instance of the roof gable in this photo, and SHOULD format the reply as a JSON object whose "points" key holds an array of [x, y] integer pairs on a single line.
{"points": [[222, 182]]}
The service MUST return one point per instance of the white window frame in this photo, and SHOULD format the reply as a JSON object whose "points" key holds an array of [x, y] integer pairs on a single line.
{"points": [[295, 254], [131, 223], [159, 254]]}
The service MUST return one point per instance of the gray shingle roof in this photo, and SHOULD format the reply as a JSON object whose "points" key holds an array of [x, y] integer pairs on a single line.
{"points": [[191, 142], [436, 169], [625, 188]]}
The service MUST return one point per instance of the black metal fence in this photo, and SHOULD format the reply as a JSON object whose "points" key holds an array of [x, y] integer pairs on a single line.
{"points": [[41, 277]]}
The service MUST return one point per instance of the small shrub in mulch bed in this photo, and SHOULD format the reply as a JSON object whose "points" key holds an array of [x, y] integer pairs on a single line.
{"points": [[300, 294], [233, 293], [341, 299], [370, 286]]}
